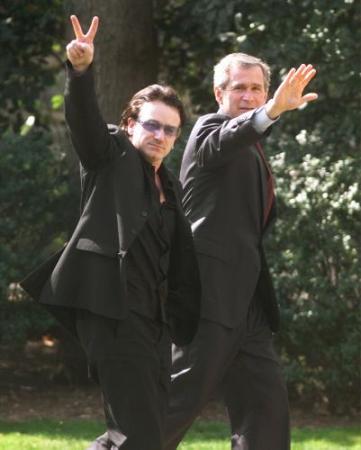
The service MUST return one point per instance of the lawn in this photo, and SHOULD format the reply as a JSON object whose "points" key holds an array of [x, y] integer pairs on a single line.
{"points": [[75, 435]]}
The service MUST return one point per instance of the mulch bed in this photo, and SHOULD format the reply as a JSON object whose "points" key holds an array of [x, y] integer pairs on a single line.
{"points": [[34, 385]]}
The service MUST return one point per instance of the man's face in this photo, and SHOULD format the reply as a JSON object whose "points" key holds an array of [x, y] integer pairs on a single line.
{"points": [[245, 91], [155, 131]]}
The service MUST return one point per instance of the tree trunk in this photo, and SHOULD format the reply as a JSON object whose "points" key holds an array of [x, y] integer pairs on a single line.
{"points": [[126, 57]]}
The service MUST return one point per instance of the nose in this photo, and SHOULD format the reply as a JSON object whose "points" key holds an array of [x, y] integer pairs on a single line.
{"points": [[247, 95], [159, 134]]}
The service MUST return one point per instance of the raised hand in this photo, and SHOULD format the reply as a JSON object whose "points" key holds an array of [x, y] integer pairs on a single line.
{"points": [[289, 94], [80, 51]]}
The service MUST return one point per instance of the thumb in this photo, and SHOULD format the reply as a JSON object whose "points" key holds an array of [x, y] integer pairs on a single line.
{"points": [[310, 97]]}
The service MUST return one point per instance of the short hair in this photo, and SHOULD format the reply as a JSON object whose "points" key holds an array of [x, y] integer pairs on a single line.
{"points": [[222, 69], [152, 93]]}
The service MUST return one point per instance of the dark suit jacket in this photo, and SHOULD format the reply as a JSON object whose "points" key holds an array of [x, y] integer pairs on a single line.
{"points": [[225, 193], [89, 272]]}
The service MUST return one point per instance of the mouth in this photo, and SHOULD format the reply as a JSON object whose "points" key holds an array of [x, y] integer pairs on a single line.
{"points": [[156, 146]]}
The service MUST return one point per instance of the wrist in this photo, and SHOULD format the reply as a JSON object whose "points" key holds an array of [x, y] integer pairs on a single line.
{"points": [[79, 69], [272, 110]]}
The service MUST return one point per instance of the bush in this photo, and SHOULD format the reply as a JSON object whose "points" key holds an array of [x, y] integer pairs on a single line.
{"points": [[317, 273], [36, 204]]}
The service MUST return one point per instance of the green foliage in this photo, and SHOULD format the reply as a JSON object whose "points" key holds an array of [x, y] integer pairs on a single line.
{"points": [[35, 205], [190, 41], [314, 251], [317, 272], [20, 321], [29, 31], [194, 35], [315, 155]]}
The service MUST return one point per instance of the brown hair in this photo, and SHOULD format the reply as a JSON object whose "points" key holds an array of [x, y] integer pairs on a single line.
{"points": [[154, 92]]}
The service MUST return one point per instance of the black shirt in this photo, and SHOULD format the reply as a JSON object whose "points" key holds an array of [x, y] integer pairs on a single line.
{"points": [[147, 260]]}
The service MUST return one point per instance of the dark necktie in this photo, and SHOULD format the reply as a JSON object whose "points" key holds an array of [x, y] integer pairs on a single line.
{"points": [[270, 185]]}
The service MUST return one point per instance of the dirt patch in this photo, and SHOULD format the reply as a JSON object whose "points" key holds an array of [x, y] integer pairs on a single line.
{"points": [[34, 385]]}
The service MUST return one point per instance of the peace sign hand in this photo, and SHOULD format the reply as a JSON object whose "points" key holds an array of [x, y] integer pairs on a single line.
{"points": [[80, 51]]}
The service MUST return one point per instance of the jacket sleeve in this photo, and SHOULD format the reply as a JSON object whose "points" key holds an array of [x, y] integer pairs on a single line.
{"points": [[218, 138], [89, 133]]}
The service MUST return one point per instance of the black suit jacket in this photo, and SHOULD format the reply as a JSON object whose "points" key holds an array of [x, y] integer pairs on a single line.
{"points": [[89, 272], [225, 192]]}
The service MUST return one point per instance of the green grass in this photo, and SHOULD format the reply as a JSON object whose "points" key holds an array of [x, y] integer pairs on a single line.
{"points": [[75, 435], [215, 436]]}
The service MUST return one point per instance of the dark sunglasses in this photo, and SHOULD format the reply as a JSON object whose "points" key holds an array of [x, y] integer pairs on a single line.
{"points": [[153, 126]]}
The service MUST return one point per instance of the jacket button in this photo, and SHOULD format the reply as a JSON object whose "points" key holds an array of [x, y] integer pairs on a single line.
{"points": [[133, 231], [144, 214]]}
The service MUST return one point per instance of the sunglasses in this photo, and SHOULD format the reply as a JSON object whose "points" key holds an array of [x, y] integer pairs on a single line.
{"points": [[154, 126]]}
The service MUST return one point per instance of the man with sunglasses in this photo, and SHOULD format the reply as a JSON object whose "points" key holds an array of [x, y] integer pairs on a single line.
{"points": [[126, 284]]}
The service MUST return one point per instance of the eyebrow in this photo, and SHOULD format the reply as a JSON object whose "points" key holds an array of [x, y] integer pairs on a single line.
{"points": [[158, 121], [236, 84]]}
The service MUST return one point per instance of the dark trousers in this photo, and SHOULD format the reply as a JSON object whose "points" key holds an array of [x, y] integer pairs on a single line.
{"points": [[130, 359], [240, 364]]}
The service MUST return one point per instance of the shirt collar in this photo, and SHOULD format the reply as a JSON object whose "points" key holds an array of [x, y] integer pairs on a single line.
{"points": [[220, 111], [162, 172]]}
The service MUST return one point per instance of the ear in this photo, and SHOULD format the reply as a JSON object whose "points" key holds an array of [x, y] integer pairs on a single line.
{"points": [[130, 126], [218, 93]]}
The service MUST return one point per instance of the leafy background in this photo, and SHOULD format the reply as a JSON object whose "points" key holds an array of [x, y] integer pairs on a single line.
{"points": [[315, 155]]}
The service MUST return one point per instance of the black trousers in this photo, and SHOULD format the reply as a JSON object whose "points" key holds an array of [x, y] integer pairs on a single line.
{"points": [[242, 366], [130, 359]]}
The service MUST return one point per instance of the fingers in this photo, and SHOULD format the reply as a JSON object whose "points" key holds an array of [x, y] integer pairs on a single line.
{"points": [[78, 31], [289, 76], [76, 27], [92, 29], [306, 69], [303, 75], [311, 72], [297, 74], [75, 50]]}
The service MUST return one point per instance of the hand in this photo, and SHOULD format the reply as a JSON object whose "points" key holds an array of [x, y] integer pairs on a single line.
{"points": [[80, 51], [289, 94]]}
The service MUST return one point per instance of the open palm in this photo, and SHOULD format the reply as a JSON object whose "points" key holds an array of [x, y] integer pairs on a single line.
{"points": [[290, 93]]}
